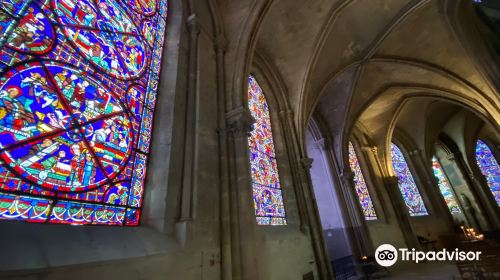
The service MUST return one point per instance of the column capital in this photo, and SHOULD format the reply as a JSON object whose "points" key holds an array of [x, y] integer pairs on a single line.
{"points": [[473, 177], [451, 157], [220, 43], [391, 180], [432, 181], [240, 122], [370, 149], [306, 163], [193, 24], [286, 115], [347, 177], [323, 144], [414, 152]]}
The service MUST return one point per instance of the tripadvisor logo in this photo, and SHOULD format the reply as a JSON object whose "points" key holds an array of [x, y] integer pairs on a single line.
{"points": [[387, 255]]}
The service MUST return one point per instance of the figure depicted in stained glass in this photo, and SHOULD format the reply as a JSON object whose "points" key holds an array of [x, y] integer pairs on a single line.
{"points": [[33, 33], [407, 185], [146, 7], [148, 31], [445, 188], [489, 167], [103, 33], [360, 185], [78, 84], [267, 195]]}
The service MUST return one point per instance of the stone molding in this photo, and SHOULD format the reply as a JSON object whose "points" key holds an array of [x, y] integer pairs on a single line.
{"points": [[306, 163], [240, 122]]}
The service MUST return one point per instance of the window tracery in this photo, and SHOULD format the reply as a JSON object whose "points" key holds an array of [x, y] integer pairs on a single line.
{"points": [[78, 84]]}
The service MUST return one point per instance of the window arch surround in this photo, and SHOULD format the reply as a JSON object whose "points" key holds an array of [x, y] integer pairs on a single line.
{"points": [[362, 182], [265, 173], [408, 182], [158, 215], [360, 142], [274, 89], [76, 142], [488, 165], [274, 92], [445, 187]]}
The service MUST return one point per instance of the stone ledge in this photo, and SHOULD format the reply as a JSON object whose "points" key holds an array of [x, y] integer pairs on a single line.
{"points": [[39, 246]]}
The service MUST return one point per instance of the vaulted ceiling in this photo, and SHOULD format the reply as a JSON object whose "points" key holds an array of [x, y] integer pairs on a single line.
{"points": [[355, 62]]}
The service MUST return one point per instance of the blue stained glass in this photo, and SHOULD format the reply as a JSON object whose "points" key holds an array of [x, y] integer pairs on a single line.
{"points": [[78, 85], [445, 188], [360, 186], [407, 186], [489, 167], [267, 195]]}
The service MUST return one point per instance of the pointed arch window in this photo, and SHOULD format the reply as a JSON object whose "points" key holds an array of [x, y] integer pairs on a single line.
{"points": [[360, 186], [445, 188], [267, 193], [78, 85], [407, 185], [489, 167]]}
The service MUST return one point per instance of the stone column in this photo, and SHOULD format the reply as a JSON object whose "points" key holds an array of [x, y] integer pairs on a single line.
{"points": [[479, 189], [188, 176], [401, 211], [313, 219], [441, 206], [358, 229], [373, 168], [244, 249], [296, 166], [430, 187], [220, 46], [487, 204]]}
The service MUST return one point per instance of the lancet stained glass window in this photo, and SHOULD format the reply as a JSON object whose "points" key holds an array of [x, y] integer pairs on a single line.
{"points": [[445, 188], [267, 195], [360, 186], [489, 167], [78, 84], [407, 185]]}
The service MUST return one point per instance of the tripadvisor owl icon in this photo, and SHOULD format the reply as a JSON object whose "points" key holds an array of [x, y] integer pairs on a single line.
{"points": [[386, 255]]}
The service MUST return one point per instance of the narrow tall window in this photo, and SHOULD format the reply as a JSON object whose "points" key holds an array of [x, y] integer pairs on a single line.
{"points": [[445, 187], [78, 84], [407, 185], [267, 195], [489, 167], [360, 186]]}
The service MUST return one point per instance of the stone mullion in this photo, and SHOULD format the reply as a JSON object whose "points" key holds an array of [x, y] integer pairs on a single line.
{"points": [[358, 227], [401, 211], [430, 182], [490, 207], [242, 219], [225, 214], [314, 222], [287, 125], [373, 169], [350, 219], [308, 213], [482, 194], [479, 189], [189, 178]]}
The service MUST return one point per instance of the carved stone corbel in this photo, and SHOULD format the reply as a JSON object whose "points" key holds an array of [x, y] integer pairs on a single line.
{"points": [[193, 25], [240, 122], [306, 163], [323, 144]]}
